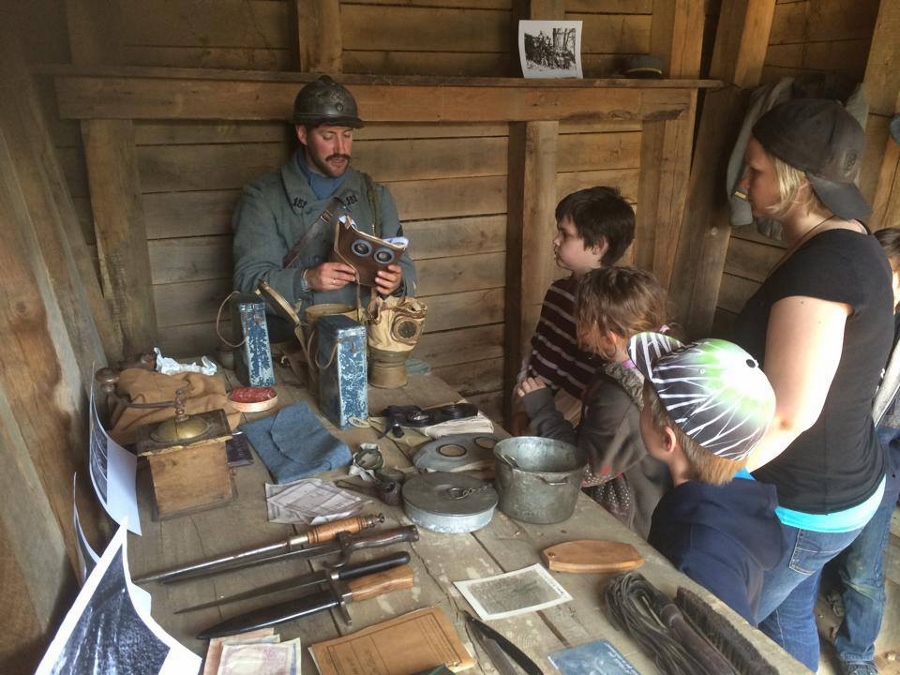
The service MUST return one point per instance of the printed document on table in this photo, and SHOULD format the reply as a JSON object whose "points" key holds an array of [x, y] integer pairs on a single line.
{"points": [[526, 590], [310, 501]]}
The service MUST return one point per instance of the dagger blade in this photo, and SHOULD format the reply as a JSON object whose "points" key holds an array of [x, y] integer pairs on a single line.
{"points": [[306, 580], [501, 650], [314, 536], [359, 589], [344, 543]]}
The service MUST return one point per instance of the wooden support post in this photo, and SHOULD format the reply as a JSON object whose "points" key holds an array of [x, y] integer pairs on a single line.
{"points": [[676, 32], [319, 33], [116, 200], [42, 432], [93, 34], [53, 216], [666, 145], [880, 175], [665, 155], [740, 48], [530, 229], [50, 345]]}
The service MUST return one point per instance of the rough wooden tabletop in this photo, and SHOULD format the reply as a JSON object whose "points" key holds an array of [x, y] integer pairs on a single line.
{"points": [[438, 560]]}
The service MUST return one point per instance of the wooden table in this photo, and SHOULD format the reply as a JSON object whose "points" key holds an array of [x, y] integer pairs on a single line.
{"points": [[438, 561]]}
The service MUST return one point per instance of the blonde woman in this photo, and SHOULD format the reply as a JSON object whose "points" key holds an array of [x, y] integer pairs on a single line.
{"points": [[821, 325]]}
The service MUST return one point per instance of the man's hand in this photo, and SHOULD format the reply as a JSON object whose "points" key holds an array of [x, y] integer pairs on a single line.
{"points": [[330, 276], [528, 385], [388, 279]]}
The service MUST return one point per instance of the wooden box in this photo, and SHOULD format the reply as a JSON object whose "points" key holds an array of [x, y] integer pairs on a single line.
{"points": [[189, 476]]}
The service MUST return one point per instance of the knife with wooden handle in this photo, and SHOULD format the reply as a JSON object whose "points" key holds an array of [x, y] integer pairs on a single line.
{"points": [[312, 537], [318, 578], [337, 595]]}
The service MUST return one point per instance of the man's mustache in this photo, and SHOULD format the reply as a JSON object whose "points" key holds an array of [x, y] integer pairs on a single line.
{"points": [[346, 158]]}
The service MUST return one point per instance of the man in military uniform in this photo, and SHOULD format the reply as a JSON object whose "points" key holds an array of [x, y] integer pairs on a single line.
{"points": [[283, 226]]}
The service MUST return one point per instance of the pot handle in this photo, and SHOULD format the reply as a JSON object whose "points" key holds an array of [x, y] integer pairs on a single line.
{"points": [[564, 481], [506, 459]]}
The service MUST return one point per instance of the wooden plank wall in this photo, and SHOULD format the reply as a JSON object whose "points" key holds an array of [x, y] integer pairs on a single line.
{"points": [[416, 37], [449, 181], [830, 36], [807, 36]]}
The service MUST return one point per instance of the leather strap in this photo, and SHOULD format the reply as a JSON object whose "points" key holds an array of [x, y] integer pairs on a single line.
{"points": [[325, 218]]}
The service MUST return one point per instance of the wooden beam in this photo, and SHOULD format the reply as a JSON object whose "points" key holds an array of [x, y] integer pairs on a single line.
{"points": [[665, 155], [41, 429], [880, 174], [55, 221], [121, 235], [738, 56], [319, 34], [882, 78], [93, 37], [676, 31], [529, 231], [146, 94]]}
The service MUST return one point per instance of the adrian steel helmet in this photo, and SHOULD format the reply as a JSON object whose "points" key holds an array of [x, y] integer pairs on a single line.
{"points": [[324, 101]]}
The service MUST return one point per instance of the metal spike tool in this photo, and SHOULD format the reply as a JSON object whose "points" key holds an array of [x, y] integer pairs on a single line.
{"points": [[307, 541]]}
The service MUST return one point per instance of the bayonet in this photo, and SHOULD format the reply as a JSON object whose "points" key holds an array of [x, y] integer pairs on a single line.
{"points": [[315, 535], [343, 545], [337, 595], [323, 576]]}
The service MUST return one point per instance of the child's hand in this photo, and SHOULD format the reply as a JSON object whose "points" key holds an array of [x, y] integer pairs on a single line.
{"points": [[528, 385]]}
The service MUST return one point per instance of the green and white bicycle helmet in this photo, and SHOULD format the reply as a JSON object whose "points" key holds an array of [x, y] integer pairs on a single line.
{"points": [[714, 390]]}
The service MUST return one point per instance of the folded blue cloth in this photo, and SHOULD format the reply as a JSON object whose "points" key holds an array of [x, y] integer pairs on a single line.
{"points": [[293, 444]]}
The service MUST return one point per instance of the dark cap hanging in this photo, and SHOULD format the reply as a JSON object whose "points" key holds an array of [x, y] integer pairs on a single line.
{"points": [[822, 139]]}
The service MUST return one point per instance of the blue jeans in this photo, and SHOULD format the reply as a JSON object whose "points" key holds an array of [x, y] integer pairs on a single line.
{"points": [[861, 570], [789, 591]]}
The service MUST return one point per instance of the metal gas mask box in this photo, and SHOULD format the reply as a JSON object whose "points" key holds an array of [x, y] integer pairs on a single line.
{"points": [[343, 369], [253, 358]]}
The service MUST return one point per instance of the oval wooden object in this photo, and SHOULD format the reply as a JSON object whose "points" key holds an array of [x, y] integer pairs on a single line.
{"points": [[592, 556]]}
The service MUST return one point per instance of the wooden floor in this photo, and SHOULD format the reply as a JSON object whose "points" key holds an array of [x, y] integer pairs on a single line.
{"points": [[887, 647]]}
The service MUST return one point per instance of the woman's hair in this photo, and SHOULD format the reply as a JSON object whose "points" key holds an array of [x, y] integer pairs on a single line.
{"points": [[791, 184], [621, 300], [889, 238], [703, 465]]}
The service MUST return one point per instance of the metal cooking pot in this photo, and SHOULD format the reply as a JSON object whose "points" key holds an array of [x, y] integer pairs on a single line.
{"points": [[538, 479]]}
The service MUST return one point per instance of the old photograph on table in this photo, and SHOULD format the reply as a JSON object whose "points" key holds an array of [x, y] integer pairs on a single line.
{"points": [[526, 590], [109, 628], [550, 49]]}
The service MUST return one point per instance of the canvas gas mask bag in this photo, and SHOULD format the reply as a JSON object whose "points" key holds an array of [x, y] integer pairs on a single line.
{"points": [[394, 327]]}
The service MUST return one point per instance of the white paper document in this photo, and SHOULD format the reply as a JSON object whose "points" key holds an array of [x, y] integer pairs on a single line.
{"points": [[310, 501], [526, 590], [113, 472], [109, 628], [87, 557]]}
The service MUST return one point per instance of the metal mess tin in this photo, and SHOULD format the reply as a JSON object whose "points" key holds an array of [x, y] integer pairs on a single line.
{"points": [[449, 502], [538, 479]]}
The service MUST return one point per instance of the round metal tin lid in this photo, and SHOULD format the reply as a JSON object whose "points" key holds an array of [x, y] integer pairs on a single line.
{"points": [[450, 494]]}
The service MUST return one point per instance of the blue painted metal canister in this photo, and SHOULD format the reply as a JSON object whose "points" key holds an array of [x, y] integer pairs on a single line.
{"points": [[343, 370]]}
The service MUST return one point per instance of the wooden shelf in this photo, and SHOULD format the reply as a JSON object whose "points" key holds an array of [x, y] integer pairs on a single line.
{"points": [[178, 93]]}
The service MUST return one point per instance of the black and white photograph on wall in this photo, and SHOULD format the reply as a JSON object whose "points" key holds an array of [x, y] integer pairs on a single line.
{"points": [[550, 48]]}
